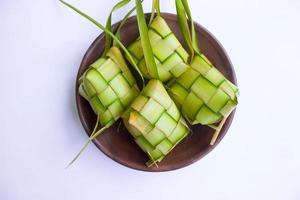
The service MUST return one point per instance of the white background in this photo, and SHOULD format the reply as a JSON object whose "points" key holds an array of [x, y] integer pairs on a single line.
{"points": [[41, 46]]}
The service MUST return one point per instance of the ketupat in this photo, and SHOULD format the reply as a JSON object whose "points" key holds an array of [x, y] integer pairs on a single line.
{"points": [[153, 118], [155, 122], [202, 93], [170, 56], [107, 84]]}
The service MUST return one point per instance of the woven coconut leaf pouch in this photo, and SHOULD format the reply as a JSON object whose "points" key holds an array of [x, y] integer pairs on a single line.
{"points": [[155, 122], [170, 57], [202, 93], [108, 84], [153, 118]]}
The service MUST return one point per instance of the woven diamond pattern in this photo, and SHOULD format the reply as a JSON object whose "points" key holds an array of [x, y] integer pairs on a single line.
{"points": [[109, 86], [155, 122], [203, 94], [169, 54]]}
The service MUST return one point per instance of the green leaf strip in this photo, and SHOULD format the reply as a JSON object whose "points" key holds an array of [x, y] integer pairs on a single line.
{"points": [[91, 138], [108, 39], [183, 24], [155, 6], [183, 15], [147, 49], [108, 32], [122, 24], [194, 34]]}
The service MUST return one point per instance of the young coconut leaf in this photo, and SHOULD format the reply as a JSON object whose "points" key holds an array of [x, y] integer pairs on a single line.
{"points": [[107, 84], [202, 93], [153, 118], [155, 122], [108, 39], [169, 55]]}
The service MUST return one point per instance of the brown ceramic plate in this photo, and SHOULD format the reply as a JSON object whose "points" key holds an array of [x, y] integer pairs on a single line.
{"points": [[118, 143]]}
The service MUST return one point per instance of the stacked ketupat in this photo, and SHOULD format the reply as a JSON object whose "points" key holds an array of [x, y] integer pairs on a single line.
{"points": [[155, 122], [201, 92], [153, 118], [170, 56]]}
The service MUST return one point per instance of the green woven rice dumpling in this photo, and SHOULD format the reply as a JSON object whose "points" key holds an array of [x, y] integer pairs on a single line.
{"points": [[155, 122], [109, 86], [202, 93], [170, 56]]}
